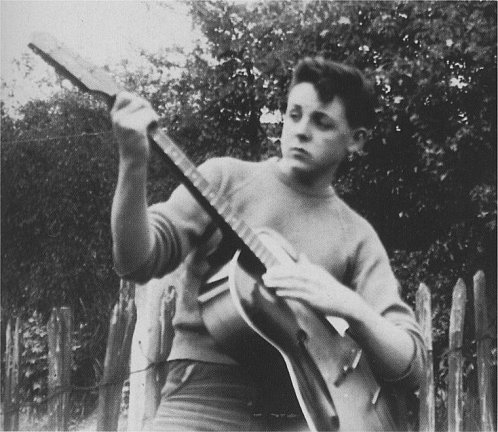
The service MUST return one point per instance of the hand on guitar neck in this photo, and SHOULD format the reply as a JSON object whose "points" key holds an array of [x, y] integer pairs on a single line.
{"points": [[132, 119]]}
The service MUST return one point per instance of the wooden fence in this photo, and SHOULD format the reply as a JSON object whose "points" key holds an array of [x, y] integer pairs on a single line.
{"points": [[59, 330], [481, 419], [144, 343]]}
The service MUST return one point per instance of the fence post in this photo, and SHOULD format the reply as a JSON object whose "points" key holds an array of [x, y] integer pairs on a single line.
{"points": [[117, 358], [12, 367], [483, 353], [8, 377], [16, 370], [455, 358], [427, 413], [59, 330], [168, 306], [150, 348]]}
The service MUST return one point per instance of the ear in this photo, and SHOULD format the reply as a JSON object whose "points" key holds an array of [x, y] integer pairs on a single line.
{"points": [[359, 138]]}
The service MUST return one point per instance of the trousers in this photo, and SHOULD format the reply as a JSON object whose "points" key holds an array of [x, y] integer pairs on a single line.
{"points": [[199, 396]]}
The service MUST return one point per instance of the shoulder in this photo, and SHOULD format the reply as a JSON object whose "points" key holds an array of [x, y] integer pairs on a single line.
{"points": [[226, 164], [355, 225], [228, 173], [367, 254]]}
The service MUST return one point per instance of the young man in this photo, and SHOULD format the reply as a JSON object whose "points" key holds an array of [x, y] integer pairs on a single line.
{"points": [[343, 269]]}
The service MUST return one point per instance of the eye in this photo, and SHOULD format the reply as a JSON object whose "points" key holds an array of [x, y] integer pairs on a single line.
{"points": [[295, 114], [323, 121]]}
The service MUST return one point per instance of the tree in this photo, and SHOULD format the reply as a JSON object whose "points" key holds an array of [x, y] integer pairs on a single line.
{"points": [[426, 180]]}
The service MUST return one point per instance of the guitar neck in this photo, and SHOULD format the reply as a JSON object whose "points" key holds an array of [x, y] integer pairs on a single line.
{"points": [[255, 254]]}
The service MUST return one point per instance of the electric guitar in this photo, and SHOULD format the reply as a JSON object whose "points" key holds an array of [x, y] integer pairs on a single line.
{"points": [[328, 371]]}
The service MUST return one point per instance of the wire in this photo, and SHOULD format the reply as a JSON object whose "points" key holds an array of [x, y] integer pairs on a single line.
{"points": [[57, 391], [51, 138]]}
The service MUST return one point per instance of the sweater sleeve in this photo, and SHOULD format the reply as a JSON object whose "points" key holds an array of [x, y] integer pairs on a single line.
{"points": [[176, 225], [374, 280]]}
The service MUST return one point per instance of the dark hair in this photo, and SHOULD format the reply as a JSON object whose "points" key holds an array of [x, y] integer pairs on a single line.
{"points": [[332, 79]]}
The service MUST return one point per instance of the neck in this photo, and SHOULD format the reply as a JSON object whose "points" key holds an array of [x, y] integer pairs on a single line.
{"points": [[316, 182]]}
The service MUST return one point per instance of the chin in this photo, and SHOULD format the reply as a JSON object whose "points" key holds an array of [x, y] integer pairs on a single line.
{"points": [[304, 162], [302, 171]]}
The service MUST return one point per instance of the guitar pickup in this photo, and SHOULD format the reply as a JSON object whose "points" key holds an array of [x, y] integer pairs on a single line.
{"points": [[348, 368]]}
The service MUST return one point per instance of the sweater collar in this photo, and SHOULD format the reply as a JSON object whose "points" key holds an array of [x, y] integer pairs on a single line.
{"points": [[297, 186]]}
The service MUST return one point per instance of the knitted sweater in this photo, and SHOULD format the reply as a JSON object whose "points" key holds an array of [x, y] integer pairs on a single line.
{"points": [[321, 226]]}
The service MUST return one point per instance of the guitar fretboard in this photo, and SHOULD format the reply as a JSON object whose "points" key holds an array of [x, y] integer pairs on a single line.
{"points": [[94, 80], [218, 207]]}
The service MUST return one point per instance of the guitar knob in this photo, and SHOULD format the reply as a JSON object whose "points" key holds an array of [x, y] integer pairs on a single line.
{"points": [[375, 396], [301, 336]]}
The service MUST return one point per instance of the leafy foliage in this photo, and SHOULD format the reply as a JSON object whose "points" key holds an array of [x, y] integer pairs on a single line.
{"points": [[55, 219], [426, 180], [34, 368]]}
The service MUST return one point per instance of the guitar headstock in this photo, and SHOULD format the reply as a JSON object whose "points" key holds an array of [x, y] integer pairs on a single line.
{"points": [[79, 71]]}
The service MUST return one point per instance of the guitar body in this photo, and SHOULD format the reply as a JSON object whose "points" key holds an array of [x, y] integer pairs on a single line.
{"points": [[330, 375]]}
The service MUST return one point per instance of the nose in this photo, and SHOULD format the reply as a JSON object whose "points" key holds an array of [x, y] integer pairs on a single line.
{"points": [[303, 130]]}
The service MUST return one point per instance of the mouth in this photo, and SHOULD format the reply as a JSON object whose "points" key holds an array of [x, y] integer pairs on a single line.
{"points": [[300, 152]]}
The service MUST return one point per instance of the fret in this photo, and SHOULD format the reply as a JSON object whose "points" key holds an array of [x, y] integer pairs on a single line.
{"points": [[265, 255], [196, 177], [173, 154], [245, 232], [189, 171], [267, 258], [231, 220], [236, 223], [259, 249], [257, 243], [186, 167], [196, 182], [210, 195], [251, 240], [213, 199], [203, 186], [223, 208]]}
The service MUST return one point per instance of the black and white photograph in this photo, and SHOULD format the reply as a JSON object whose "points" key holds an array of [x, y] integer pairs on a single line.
{"points": [[248, 215]]}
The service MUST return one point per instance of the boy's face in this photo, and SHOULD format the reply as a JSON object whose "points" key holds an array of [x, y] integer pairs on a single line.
{"points": [[316, 137]]}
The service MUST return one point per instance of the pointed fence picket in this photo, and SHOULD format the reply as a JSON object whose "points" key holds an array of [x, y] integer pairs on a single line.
{"points": [[12, 372], [455, 358], [484, 360], [150, 348], [117, 358], [59, 331], [423, 309]]}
